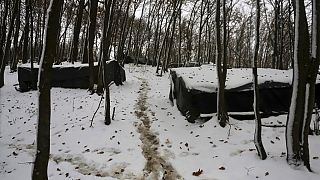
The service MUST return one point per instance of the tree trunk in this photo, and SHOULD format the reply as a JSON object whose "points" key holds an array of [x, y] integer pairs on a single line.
{"points": [[106, 37], [3, 37], [48, 54], [25, 51], [305, 72], [8, 43], [200, 32], [276, 30], [122, 40], [76, 32], [16, 49], [85, 57], [257, 134], [221, 110], [92, 30]]}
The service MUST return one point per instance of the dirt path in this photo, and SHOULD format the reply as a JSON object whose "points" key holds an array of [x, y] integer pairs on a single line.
{"points": [[156, 167]]}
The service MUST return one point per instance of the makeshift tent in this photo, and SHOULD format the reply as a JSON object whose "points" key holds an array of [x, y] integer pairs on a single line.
{"points": [[70, 76], [195, 91]]}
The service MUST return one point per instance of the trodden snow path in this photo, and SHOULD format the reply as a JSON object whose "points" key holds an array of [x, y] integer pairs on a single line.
{"points": [[157, 166]]}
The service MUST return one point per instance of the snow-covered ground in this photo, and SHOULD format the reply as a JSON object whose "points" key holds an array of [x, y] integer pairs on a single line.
{"points": [[147, 137]]}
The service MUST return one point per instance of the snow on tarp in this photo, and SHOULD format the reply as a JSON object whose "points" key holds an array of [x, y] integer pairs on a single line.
{"points": [[69, 75], [204, 78], [195, 90]]}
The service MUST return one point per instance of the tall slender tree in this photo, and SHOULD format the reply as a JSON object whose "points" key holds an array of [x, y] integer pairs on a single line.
{"points": [[25, 52], [91, 36], [76, 33], [257, 134], [44, 85], [3, 30], [4, 58], [221, 72]]}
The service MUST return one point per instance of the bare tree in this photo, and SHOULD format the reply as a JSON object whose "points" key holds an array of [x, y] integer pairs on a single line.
{"points": [[91, 30], [76, 32], [304, 78], [3, 59], [44, 86], [221, 73], [257, 134]]}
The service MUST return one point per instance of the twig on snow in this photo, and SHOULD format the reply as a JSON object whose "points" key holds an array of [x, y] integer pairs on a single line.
{"points": [[96, 111]]}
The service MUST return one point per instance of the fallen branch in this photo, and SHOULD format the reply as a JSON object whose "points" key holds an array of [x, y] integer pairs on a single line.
{"points": [[114, 109], [96, 111]]}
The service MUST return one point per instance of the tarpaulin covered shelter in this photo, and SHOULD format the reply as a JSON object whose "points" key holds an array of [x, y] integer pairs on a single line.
{"points": [[70, 76], [195, 90]]}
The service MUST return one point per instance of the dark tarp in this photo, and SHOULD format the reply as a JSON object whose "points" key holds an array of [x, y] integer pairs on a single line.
{"points": [[70, 76], [275, 98]]}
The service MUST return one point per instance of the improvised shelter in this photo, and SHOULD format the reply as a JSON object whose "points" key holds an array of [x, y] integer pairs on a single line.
{"points": [[70, 76], [195, 91]]}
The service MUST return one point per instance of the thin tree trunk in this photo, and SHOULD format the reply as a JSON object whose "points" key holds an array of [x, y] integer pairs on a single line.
{"points": [[92, 30], [221, 110], [3, 59], [25, 51], [276, 30], [106, 37], [76, 32], [40, 167], [16, 49], [122, 40], [257, 134], [85, 57]]}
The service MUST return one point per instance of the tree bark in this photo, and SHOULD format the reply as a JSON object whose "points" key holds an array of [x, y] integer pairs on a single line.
{"points": [[44, 85], [25, 52], [8, 43], [16, 49], [221, 110], [106, 37], [92, 30], [276, 30], [76, 32], [304, 78], [257, 134], [123, 36]]}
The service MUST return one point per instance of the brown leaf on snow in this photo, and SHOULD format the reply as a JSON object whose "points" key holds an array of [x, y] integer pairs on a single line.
{"points": [[197, 173]]}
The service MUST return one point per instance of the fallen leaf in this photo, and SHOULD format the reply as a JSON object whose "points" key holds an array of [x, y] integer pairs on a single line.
{"points": [[197, 173]]}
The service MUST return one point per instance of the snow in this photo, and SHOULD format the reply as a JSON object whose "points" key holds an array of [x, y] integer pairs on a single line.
{"points": [[115, 151], [204, 78], [62, 65]]}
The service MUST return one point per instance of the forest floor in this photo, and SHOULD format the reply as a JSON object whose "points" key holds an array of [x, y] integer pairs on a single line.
{"points": [[148, 138]]}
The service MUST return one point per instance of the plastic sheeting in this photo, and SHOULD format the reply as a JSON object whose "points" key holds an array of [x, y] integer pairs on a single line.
{"points": [[70, 76], [275, 98]]}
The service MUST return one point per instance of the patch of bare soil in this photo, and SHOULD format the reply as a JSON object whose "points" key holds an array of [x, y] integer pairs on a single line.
{"points": [[156, 167]]}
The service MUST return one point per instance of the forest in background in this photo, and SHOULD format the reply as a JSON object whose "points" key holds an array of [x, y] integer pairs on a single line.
{"points": [[160, 32]]}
